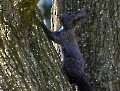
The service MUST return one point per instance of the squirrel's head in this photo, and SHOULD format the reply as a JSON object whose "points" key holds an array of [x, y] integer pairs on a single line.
{"points": [[69, 21]]}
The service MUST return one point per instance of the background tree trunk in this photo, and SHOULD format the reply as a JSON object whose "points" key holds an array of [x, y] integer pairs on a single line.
{"points": [[99, 40], [29, 62]]}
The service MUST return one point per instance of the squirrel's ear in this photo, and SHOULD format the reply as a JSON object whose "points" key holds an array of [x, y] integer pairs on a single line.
{"points": [[76, 20], [79, 15]]}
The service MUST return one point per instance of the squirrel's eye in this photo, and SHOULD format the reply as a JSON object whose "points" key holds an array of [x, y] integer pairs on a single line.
{"points": [[62, 18]]}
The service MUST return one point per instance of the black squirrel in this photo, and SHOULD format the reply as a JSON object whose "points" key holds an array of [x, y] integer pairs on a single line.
{"points": [[72, 65]]}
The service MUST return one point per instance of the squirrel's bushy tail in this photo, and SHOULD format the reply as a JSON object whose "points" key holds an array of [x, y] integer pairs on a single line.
{"points": [[83, 85]]}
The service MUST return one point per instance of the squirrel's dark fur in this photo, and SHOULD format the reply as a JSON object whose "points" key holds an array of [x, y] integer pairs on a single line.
{"points": [[73, 65]]}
